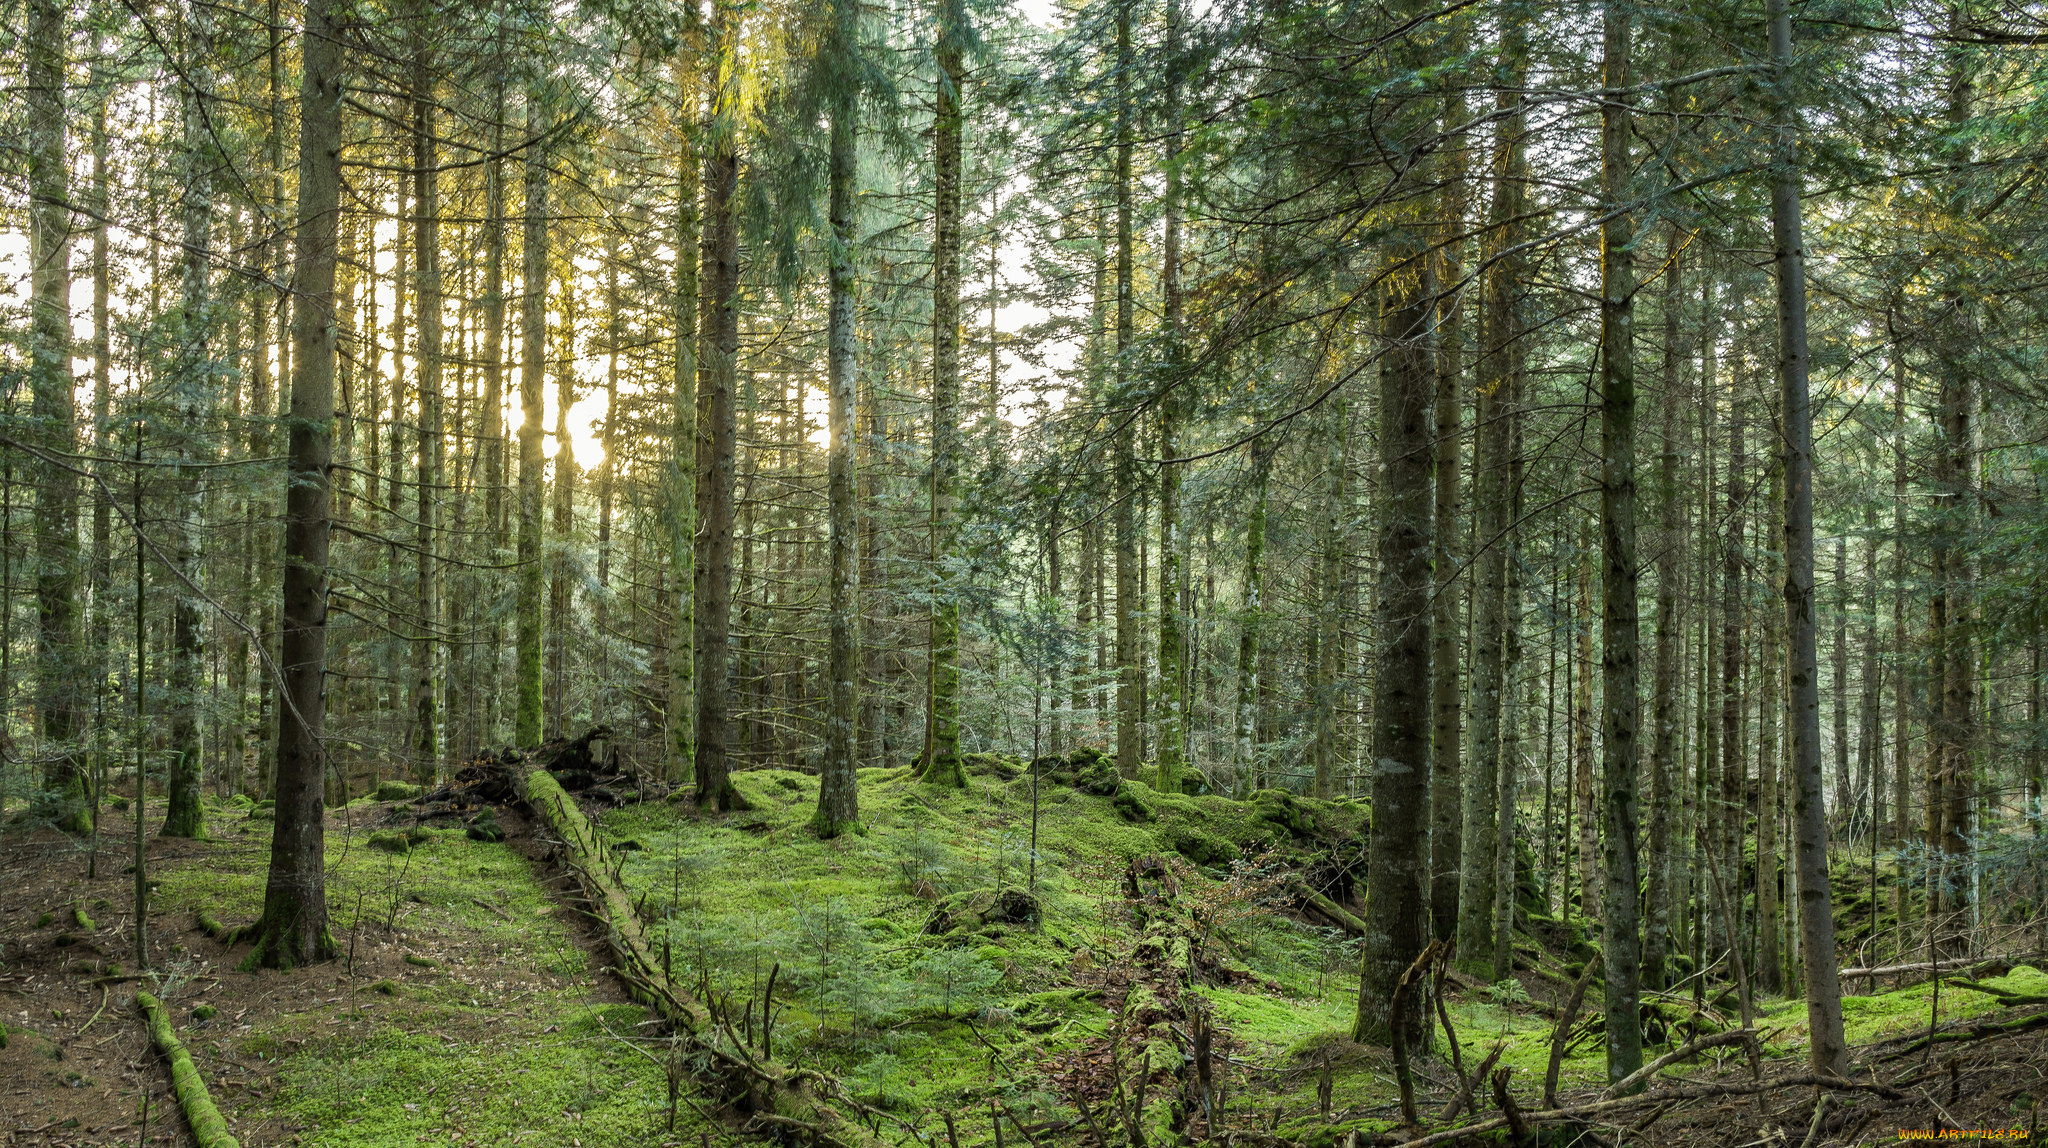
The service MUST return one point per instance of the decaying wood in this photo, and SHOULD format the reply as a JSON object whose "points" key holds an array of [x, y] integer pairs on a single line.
{"points": [[1684, 1052], [804, 1101], [208, 1126]]}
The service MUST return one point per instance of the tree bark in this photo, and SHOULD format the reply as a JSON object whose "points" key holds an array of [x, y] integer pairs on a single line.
{"points": [[1130, 683], [293, 929], [1398, 867], [533, 341], [1621, 705], [1172, 714], [426, 194], [1827, 1050], [942, 765], [838, 789], [718, 328], [54, 412], [680, 742], [197, 397]]}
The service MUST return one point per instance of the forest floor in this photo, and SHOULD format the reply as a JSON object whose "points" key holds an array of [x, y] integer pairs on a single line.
{"points": [[925, 961]]}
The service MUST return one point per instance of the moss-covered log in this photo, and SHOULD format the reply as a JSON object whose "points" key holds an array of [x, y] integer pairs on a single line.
{"points": [[208, 1128], [755, 1085]]}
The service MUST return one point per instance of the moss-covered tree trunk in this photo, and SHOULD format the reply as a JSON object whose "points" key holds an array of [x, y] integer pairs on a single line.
{"points": [[293, 929], [942, 762], [718, 328], [679, 758], [1332, 517], [1398, 868], [1620, 624], [560, 563], [838, 787], [54, 412], [184, 816], [426, 192], [533, 340], [1251, 621], [1130, 676]]}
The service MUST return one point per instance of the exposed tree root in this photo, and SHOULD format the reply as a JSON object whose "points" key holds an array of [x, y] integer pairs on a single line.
{"points": [[208, 1128]]}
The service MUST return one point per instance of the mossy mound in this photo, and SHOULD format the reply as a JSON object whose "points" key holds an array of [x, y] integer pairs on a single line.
{"points": [[398, 791]]}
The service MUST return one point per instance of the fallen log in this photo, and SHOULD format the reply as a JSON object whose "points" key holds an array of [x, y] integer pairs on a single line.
{"points": [[1981, 1030], [1623, 1086], [1527, 1120], [757, 1087], [1336, 914], [208, 1127]]}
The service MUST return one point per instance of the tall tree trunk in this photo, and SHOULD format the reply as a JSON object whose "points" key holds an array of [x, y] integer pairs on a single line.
{"points": [[493, 432], [1485, 824], [1172, 713], [54, 412], [1451, 814], [1869, 717], [718, 332], [1251, 623], [1330, 613], [1827, 1051], [561, 565], [679, 759], [196, 399], [942, 764], [1848, 794], [1621, 703], [838, 788], [1729, 809], [1665, 764], [426, 194], [1771, 959], [1130, 683], [293, 929], [1398, 868], [533, 350]]}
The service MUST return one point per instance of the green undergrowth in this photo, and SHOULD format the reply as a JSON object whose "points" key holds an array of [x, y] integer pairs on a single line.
{"points": [[898, 971], [462, 1011]]}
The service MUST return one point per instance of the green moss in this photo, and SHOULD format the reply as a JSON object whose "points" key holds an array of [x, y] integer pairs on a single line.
{"points": [[389, 841], [398, 791], [43, 919]]}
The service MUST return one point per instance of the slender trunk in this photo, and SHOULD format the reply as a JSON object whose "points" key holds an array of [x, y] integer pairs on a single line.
{"points": [[718, 334], [680, 745], [493, 431], [293, 929], [1621, 704], [1770, 964], [1130, 676], [1827, 1051], [1330, 611], [1665, 768], [1173, 698], [53, 409], [1847, 791], [1585, 802], [1251, 623], [1869, 719], [426, 245], [1730, 807], [838, 791], [533, 343], [942, 765], [1452, 815], [561, 564], [196, 398], [1511, 715]]}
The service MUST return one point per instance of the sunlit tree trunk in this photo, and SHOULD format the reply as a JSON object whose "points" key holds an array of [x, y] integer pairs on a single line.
{"points": [[533, 342], [293, 929], [184, 816], [838, 789], [426, 194], [1130, 682], [679, 759], [718, 341]]}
